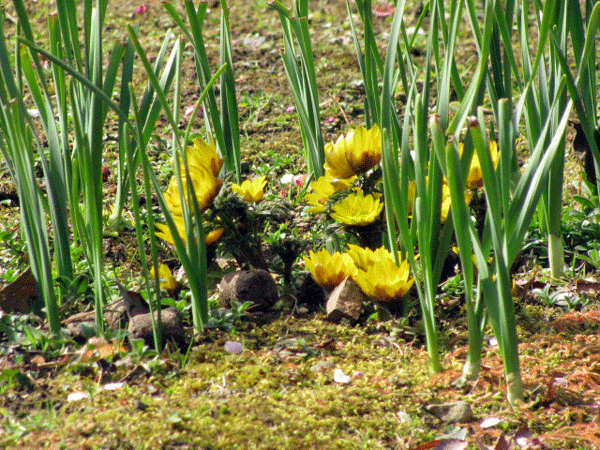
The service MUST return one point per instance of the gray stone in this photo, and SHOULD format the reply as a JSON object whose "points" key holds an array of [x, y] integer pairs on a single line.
{"points": [[255, 286], [81, 326], [322, 366], [345, 301], [140, 327], [451, 412]]}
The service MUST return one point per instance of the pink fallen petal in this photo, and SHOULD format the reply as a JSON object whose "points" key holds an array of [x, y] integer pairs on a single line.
{"points": [[298, 180], [141, 9], [234, 347]]}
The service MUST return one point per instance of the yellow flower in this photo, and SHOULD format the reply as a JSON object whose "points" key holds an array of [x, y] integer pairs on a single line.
{"points": [[446, 203], [357, 209], [206, 187], [378, 276], [323, 188], [329, 270], [204, 165], [167, 282], [475, 177], [446, 200], [473, 257], [202, 154], [165, 232], [353, 154], [362, 256], [251, 191], [213, 236]]}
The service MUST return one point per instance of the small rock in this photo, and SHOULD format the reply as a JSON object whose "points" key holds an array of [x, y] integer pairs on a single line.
{"points": [[133, 301], [140, 327], [346, 300], [404, 417], [81, 331], [81, 326], [451, 412], [489, 422], [139, 405], [255, 285], [322, 366], [76, 396], [115, 315]]}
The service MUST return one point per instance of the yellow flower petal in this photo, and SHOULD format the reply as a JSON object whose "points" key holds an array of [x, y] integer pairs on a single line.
{"points": [[213, 236], [165, 231], [362, 257], [364, 149], [323, 188], [166, 235], [475, 177], [206, 187]]}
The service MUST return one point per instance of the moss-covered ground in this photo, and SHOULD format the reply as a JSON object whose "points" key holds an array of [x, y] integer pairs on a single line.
{"points": [[280, 391]]}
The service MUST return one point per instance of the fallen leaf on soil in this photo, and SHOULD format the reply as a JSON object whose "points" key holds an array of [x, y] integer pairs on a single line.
{"points": [[98, 348], [14, 297]]}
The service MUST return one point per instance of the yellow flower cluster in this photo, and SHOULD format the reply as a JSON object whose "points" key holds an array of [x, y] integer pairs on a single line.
{"points": [[351, 155], [374, 271]]}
